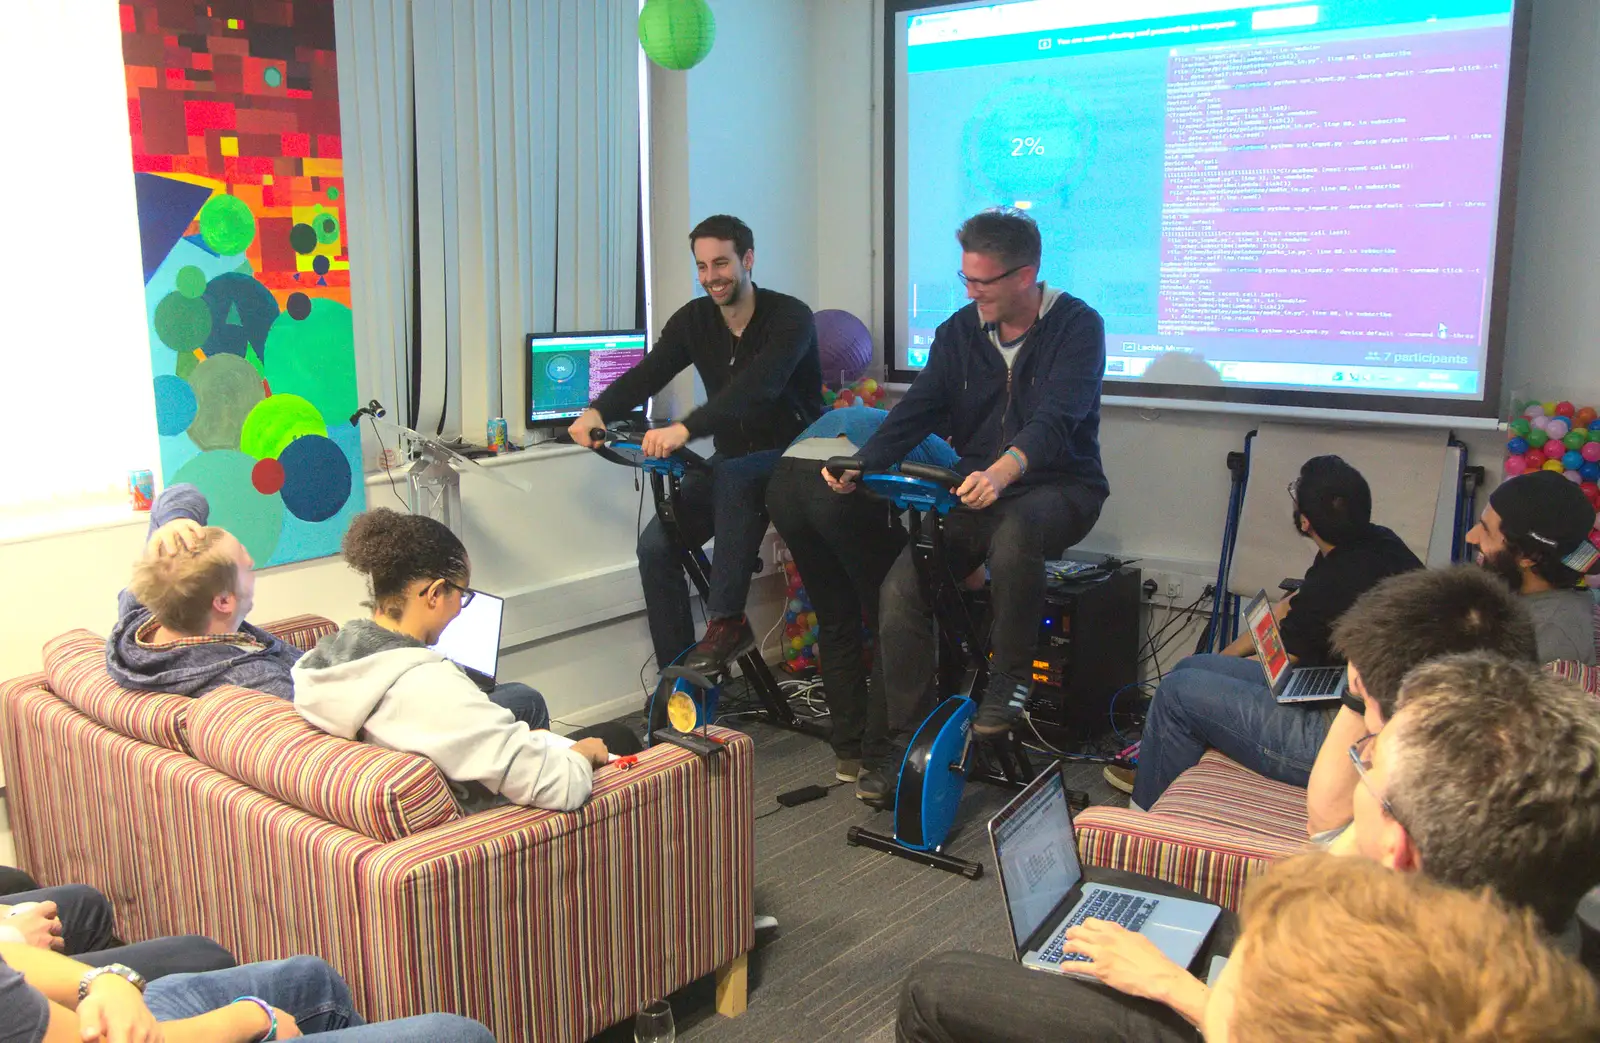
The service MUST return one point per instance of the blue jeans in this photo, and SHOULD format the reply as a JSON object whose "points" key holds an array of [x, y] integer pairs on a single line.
{"points": [[1223, 702], [524, 702], [87, 924], [310, 991], [729, 503]]}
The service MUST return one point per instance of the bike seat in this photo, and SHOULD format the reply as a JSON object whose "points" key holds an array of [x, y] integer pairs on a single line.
{"points": [[914, 486]]}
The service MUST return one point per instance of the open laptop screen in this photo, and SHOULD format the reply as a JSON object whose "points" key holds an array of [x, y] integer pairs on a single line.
{"points": [[1037, 858], [473, 638], [1268, 640]]}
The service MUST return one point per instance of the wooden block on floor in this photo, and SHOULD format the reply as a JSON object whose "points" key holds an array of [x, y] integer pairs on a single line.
{"points": [[733, 986]]}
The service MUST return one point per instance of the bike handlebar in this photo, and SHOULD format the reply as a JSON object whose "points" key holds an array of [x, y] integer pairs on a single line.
{"points": [[940, 476]]}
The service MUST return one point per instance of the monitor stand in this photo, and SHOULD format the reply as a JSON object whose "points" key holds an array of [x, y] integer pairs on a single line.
{"points": [[435, 485]]}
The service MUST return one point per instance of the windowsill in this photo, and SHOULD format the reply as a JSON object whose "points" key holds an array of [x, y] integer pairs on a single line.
{"points": [[94, 515]]}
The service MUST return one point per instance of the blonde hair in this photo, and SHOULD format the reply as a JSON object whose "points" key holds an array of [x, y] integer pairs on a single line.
{"points": [[178, 588], [1342, 949]]}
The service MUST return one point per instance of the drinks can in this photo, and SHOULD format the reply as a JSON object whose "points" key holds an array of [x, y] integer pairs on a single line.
{"points": [[141, 489], [497, 434]]}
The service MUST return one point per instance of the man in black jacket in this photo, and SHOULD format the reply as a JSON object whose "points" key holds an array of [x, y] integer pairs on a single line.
{"points": [[756, 353], [1014, 380]]}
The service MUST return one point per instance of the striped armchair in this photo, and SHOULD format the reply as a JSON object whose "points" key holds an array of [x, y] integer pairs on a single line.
{"points": [[1219, 823], [230, 816]]}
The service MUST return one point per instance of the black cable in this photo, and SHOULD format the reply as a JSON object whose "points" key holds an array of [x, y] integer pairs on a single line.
{"points": [[386, 472]]}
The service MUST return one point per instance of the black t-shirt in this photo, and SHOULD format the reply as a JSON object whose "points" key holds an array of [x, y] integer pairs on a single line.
{"points": [[24, 1011], [762, 388], [1333, 583]]}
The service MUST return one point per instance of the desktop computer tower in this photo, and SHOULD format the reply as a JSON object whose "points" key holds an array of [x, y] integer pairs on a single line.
{"points": [[1088, 650]]}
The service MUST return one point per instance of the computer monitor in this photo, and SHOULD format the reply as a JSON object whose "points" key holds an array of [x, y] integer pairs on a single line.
{"points": [[567, 370]]}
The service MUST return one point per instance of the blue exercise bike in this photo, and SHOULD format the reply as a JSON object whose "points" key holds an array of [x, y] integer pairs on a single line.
{"points": [[685, 700], [943, 753]]}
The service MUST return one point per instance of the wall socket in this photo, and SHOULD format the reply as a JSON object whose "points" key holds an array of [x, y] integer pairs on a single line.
{"points": [[1173, 585]]}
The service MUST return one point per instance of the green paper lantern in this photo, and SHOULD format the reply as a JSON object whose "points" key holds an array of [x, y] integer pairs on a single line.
{"points": [[677, 34]]}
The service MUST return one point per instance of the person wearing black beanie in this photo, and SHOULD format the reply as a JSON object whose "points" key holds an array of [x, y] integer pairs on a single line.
{"points": [[1534, 534]]}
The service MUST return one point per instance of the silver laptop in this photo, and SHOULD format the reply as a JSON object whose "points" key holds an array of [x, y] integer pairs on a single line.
{"points": [[1289, 684], [472, 640], [1042, 881]]}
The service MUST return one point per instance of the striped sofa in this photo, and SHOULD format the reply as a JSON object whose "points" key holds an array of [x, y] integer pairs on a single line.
{"points": [[229, 816], [1220, 823]]}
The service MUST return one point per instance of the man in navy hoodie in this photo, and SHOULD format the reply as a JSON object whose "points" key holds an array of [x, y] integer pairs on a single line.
{"points": [[1013, 380], [180, 624]]}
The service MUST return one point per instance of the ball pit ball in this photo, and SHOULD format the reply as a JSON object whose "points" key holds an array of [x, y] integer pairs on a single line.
{"points": [[1541, 423], [1572, 476], [1575, 439], [1514, 466], [1535, 459], [1590, 471], [1537, 438], [1565, 409], [1520, 426], [1585, 416], [1554, 450], [1547, 408], [1554, 465], [1594, 537], [1534, 409], [1518, 446], [1571, 460], [1590, 451], [1591, 490], [1556, 427]]}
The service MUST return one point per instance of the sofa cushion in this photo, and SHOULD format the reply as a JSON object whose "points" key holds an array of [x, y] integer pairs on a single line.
{"points": [[264, 743], [75, 663], [303, 632]]}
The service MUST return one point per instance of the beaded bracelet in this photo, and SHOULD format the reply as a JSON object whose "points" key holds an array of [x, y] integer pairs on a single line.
{"points": [[272, 1017]]}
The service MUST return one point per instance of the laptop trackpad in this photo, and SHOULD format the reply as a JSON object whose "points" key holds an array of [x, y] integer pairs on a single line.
{"points": [[1180, 941]]}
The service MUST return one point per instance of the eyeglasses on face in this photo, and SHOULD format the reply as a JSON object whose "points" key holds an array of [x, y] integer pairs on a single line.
{"points": [[968, 280], [467, 593], [1361, 757]]}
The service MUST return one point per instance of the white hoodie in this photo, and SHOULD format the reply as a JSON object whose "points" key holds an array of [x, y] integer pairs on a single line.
{"points": [[369, 683]]}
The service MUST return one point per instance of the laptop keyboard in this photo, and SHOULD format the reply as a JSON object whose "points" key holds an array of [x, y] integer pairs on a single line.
{"points": [[1129, 910], [1317, 682]]}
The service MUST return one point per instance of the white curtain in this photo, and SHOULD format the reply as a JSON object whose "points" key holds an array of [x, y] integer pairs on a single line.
{"points": [[526, 178]]}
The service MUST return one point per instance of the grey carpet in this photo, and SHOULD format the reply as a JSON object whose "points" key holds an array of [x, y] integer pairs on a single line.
{"points": [[852, 922]]}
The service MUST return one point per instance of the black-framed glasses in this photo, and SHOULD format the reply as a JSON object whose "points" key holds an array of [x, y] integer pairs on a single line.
{"points": [[467, 593], [967, 280], [1293, 488], [1360, 756]]}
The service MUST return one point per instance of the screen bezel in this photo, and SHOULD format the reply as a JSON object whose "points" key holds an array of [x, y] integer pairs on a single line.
{"points": [[527, 373], [1197, 397]]}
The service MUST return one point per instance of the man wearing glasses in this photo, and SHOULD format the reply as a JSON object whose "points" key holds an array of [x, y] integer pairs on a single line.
{"points": [[1485, 777], [1014, 380], [1223, 702]]}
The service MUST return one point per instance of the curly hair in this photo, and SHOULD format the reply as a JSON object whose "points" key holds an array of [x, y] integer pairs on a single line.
{"points": [[394, 550], [1342, 949], [178, 589]]}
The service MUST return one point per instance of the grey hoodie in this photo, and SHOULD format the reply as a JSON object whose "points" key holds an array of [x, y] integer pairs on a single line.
{"points": [[369, 683]]}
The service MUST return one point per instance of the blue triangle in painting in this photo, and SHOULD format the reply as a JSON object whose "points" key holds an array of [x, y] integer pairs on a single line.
{"points": [[165, 209], [201, 243]]}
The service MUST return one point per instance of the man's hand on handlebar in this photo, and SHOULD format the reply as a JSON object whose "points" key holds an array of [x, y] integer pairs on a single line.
{"points": [[845, 483], [582, 430], [662, 442], [980, 489]]}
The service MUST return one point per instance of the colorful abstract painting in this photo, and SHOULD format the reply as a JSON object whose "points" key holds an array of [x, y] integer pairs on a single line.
{"points": [[234, 111]]}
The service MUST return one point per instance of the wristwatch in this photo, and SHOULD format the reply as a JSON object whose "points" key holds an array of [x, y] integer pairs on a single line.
{"points": [[132, 977]]}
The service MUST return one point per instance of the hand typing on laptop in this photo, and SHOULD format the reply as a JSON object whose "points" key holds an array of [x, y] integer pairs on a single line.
{"points": [[1131, 963]]}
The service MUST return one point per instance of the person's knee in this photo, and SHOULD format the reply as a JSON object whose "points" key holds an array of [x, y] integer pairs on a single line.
{"points": [[196, 954], [525, 703], [901, 588], [311, 968], [928, 983], [76, 901], [654, 548], [453, 1028]]}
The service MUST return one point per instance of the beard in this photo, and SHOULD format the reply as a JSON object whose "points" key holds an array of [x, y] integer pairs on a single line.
{"points": [[735, 291], [1503, 563]]}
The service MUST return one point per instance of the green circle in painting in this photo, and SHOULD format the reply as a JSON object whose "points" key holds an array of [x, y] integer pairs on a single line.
{"points": [[227, 225], [273, 76]]}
